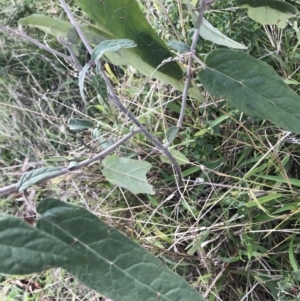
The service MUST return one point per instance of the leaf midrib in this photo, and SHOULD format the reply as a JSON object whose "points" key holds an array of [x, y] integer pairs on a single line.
{"points": [[106, 260]]}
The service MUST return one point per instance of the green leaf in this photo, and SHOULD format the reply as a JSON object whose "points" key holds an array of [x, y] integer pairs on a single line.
{"points": [[73, 36], [263, 199], [151, 50], [79, 124], [127, 173], [179, 157], [34, 176], [100, 86], [275, 4], [292, 258], [118, 268], [179, 46], [280, 179], [123, 19], [258, 91], [269, 12], [81, 78], [230, 259], [209, 32], [59, 28], [111, 45], [25, 249], [296, 275], [53, 26], [172, 133]]}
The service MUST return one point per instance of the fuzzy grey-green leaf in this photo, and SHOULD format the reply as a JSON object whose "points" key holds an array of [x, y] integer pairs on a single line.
{"points": [[179, 46], [118, 267], [269, 12], [179, 157], [34, 176], [24, 249], [81, 79], [251, 86], [79, 124], [111, 45], [127, 173], [123, 19], [47, 24]]}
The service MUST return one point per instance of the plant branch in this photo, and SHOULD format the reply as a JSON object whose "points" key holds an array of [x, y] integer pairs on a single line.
{"points": [[4, 191], [114, 98], [190, 62], [24, 36], [204, 5], [76, 26], [68, 45]]}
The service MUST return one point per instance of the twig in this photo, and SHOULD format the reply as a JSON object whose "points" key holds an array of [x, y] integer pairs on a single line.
{"points": [[68, 45], [169, 19], [24, 36], [15, 187], [76, 26], [8, 190], [114, 98], [154, 140], [190, 63], [208, 291], [204, 5]]}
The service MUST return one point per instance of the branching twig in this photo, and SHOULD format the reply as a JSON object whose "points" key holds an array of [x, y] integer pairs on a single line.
{"points": [[4, 191], [68, 45], [24, 36], [14, 188], [114, 98], [190, 63], [204, 5]]}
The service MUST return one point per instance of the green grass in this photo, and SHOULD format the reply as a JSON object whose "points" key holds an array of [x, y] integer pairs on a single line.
{"points": [[233, 231]]}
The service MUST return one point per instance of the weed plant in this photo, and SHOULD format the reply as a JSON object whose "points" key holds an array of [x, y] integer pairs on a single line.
{"points": [[233, 233]]}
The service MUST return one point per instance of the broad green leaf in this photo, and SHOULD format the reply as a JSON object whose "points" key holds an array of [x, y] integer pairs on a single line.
{"points": [[179, 46], [118, 267], [152, 48], [258, 91], [72, 36], [34, 176], [59, 28], [275, 4], [209, 32], [79, 124], [123, 19], [24, 249], [269, 12], [110, 45], [55, 27], [127, 173], [179, 157]]}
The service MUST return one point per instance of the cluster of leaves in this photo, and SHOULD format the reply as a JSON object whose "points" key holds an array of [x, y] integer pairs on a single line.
{"points": [[254, 167]]}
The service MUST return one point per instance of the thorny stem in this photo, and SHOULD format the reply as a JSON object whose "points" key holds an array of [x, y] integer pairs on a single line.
{"points": [[114, 98]]}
